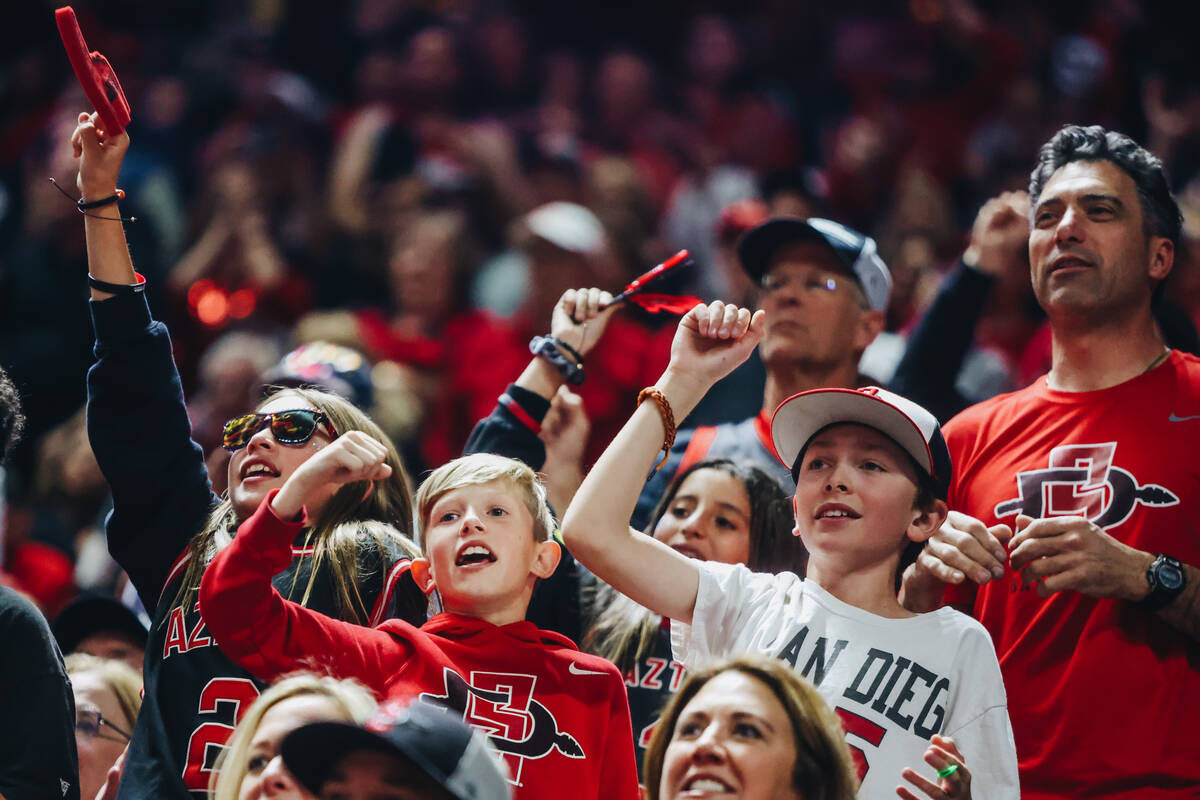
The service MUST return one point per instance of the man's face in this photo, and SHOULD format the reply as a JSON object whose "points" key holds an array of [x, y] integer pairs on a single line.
{"points": [[1088, 250], [814, 308]]}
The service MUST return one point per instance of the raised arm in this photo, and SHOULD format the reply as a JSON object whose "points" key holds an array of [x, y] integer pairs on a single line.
{"points": [[137, 419], [100, 158], [251, 621], [938, 347], [520, 427], [710, 341]]}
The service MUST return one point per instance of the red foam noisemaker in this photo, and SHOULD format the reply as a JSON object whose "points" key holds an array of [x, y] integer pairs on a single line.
{"points": [[634, 292], [95, 74]]}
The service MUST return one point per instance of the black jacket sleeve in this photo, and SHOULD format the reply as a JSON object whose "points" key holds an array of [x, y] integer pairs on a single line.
{"points": [[139, 429], [503, 434], [939, 344], [38, 760]]}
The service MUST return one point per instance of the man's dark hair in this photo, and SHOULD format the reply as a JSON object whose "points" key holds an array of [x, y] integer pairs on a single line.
{"points": [[12, 421], [1094, 143]]}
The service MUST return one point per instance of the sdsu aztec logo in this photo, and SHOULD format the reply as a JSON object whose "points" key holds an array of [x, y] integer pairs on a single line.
{"points": [[502, 706], [1082, 481]]}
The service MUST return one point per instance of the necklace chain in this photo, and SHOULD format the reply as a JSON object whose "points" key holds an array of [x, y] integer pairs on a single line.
{"points": [[1158, 359]]}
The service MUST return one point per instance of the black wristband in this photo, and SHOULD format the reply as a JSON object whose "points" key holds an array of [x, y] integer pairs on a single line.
{"points": [[104, 201], [574, 353], [118, 288], [547, 347]]}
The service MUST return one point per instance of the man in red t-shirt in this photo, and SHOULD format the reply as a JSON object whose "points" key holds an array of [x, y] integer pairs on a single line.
{"points": [[1094, 603]]}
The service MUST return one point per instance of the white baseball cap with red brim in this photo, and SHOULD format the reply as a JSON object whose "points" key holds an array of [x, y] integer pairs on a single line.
{"points": [[800, 417]]}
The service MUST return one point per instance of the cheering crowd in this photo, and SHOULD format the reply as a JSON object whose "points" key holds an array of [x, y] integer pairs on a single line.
{"points": [[384, 493]]}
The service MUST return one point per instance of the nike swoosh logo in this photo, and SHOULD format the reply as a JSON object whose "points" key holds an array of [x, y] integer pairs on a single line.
{"points": [[575, 669], [1174, 418]]}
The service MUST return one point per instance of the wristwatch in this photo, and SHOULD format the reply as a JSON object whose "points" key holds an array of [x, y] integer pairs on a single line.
{"points": [[1167, 579]]}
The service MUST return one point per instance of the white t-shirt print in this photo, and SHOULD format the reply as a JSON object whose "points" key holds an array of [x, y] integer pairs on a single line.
{"points": [[893, 682]]}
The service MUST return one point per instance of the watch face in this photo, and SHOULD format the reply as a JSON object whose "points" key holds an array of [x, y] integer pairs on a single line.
{"points": [[1170, 577]]}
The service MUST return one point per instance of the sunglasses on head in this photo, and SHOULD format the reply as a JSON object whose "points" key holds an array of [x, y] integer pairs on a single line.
{"points": [[288, 427]]}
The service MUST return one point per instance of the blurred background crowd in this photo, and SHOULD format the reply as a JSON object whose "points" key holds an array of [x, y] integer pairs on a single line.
{"points": [[388, 196]]}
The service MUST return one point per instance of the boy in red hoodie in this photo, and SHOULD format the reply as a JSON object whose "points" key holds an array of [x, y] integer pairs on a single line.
{"points": [[559, 717]]}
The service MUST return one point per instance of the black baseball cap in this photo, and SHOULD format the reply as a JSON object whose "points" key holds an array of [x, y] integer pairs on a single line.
{"points": [[858, 253], [91, 613], [433, 738]]}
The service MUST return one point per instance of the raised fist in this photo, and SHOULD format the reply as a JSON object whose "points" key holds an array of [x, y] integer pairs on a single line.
{"points": [[1000, 236]]}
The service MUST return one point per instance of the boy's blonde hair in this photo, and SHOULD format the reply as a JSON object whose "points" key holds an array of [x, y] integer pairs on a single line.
{"points": [[478, 469]]}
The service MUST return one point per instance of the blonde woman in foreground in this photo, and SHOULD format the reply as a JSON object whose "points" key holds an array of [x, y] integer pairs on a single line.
{"points": [[251, 767]]}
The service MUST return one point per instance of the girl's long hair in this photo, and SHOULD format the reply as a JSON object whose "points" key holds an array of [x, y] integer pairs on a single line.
{"points": [[384, 516], [623, 631]]}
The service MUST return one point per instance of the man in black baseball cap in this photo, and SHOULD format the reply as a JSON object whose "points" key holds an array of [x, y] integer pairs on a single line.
{"points": [[404, 753], [99, 625], [825, 290]]}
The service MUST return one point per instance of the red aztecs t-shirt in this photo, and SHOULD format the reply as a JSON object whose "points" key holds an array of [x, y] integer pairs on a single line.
{"points": [[1103, 696]]}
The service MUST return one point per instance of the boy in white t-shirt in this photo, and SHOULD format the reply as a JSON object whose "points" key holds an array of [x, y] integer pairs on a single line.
{"points": [[871, 472]]}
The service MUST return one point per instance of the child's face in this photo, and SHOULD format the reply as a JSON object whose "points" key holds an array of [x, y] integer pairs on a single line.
{"points": [[854, 495], [480, 547], [708, 518], [265, 464]]}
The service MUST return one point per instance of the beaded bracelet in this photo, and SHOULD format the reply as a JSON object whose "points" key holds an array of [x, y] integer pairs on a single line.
{"points": [[668, 419]]}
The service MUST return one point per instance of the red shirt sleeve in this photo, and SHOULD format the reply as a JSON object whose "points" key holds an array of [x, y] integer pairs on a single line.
{"points": [[270, 636], [618, 773]]}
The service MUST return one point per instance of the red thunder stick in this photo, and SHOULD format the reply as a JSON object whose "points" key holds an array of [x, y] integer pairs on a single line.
{"points": [[641, 280], [95, 74], [658, 302]]}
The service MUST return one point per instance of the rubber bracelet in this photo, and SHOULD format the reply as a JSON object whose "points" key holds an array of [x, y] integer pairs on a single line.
{"points": [[112, 198], [118, 288]]}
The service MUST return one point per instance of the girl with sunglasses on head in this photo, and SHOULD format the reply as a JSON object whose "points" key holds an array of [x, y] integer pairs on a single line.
{"points": [[167, 523]]}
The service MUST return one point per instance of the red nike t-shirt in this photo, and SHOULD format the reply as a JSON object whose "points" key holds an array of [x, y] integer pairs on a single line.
{"points": [[1102, 694]]}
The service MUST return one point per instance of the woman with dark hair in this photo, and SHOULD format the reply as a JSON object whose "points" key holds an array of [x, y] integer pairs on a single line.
{"points": [[167, 524], [752, 729]]}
